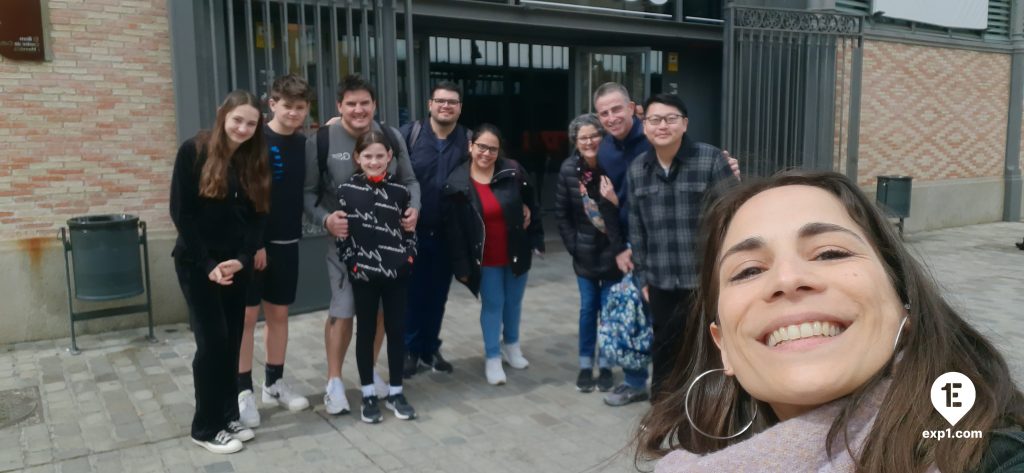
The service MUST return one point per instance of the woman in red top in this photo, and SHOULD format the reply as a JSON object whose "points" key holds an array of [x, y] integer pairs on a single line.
{"points": [[491, 236]]}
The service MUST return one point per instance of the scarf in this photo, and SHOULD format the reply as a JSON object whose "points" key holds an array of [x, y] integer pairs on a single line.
{"points": [[797, 444]]}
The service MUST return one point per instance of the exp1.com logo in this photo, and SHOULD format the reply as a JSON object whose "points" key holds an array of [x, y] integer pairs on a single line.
{"points": [[953, 396]]}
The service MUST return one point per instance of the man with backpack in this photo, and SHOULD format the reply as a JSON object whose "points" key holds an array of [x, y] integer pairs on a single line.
{"points": [[437, 146], [329, 162]]}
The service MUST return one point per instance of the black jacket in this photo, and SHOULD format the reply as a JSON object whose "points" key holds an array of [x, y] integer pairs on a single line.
{"points": [[377, 248], [464, 224], [211, 231], [593, 251]]}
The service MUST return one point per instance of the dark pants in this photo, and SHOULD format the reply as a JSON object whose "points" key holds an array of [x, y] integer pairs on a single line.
{"points": [[669, 312], [428, 288], [217, 314], [370, 296]]}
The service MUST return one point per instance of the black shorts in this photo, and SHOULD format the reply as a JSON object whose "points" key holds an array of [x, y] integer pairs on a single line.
{"points": [[277, 282]]}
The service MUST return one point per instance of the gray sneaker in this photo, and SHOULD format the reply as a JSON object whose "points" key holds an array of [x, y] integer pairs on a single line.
{"points": [[624, 394]]}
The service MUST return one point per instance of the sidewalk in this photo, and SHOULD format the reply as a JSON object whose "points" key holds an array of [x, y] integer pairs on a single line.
{"points": [[125, 404]]}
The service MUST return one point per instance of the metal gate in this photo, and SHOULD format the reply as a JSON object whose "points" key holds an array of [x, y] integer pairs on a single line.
{"points": [[791, 89]]}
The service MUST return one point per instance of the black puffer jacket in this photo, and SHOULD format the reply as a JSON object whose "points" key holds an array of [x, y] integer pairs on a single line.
{"points": [[593, 251], [464, 224]]}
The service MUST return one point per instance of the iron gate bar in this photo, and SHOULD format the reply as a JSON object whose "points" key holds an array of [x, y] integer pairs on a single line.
{"points": [[250, 40], [213, 44], [268, 59], [303, 60], [350, 41], [320, 69], [853, 140], [231, 44], [364, 41], [332, 75], [285, 54], [410, 69]]}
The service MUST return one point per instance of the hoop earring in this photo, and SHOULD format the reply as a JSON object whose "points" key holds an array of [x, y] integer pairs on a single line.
{"points": [[686, 407], [899, 331]]}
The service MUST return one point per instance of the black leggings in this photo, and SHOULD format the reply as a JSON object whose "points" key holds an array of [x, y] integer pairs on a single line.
{"points": [[217, 314], [369, 296]]}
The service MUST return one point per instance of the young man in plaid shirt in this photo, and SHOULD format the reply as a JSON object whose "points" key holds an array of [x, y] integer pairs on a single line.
{"points": [[668, 186]]}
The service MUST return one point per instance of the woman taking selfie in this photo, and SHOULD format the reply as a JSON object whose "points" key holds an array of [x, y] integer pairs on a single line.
{"points": [[817, 341], [220, 194]]}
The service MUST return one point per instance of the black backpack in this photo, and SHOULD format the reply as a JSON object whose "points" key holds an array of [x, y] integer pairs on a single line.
{"points": [[323, 144]]}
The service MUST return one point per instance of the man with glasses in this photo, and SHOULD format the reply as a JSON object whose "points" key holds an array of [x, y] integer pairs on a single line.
{"points": [[668, 187], [436, 146]]}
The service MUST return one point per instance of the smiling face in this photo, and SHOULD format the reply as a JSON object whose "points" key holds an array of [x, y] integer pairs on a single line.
{"points": [[445, 106], [289, 113], [807, 312], [240, 124], [483, 150], [664, 134], [615, 112], [588, 139], [356, 109], [374, 160]]}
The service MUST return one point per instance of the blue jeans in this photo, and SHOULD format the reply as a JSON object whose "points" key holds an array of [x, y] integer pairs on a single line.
{"points": [[593, 295], [501, 295]]}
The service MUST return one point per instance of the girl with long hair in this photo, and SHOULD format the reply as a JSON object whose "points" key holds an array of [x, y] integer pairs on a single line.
{"points": [[220, 194]]}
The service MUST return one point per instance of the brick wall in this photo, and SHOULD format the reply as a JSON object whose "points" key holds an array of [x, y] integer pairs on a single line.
{"points": [[932, 113], [93, 131]]}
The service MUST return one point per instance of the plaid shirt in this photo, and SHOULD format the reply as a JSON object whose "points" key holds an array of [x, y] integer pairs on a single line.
{"points": [[665, 210]]}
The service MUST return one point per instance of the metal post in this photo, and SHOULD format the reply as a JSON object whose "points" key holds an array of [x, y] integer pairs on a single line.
{"points": [[389, 62], [350, 52], [231, 45], [187, 100], [364, 41], [213, 47], [285, 56], [71, 305], [268, 65], [853, 127], [1012, 173], [410, 69], [149, 293], [250, 41]]}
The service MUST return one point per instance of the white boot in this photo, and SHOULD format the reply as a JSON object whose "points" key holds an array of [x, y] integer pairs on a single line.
{"points": [[495, 374], [513, 355]]}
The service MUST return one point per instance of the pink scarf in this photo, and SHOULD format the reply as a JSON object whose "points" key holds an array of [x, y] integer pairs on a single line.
{"points": [[796, 445]]}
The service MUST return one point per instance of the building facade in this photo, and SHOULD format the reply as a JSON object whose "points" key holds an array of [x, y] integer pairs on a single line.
{"points": [[812, 83]]}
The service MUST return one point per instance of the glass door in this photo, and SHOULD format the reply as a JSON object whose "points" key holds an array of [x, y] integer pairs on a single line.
{"points": [[595, 66]]}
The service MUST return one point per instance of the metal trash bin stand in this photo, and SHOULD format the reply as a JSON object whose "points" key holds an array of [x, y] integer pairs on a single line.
{"points": [[892, 194], [107, 266]]}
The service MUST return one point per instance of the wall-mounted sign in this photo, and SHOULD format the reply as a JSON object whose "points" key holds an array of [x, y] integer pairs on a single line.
{"points": [[21, 30], [673, 62]]}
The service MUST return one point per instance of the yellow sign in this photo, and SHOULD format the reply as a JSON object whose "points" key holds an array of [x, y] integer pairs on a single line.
{"points": [[673, 62]]}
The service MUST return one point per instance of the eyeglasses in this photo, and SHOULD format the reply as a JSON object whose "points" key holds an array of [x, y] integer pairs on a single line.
{"points": [[589, 138], [448, 102], [671, 119], [484, 149]]}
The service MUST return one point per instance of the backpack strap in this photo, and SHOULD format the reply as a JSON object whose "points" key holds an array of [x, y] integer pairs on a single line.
{"points": [[323, 143], [414, 134]]}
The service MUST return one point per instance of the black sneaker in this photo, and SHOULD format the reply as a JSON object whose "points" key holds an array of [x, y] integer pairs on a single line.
{"points": [[397, 403], [410, 365], [239, 431], [222, 443], [371, 410], [585, 380], [439, 364], [605, 381]]}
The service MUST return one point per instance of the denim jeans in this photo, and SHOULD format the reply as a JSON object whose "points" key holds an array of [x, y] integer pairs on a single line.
{"points": [[501, 295], [593, 295]]}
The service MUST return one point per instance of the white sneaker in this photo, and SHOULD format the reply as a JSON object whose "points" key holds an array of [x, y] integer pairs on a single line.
{"points": [[380, 386], [248, 415], [281, 393], [334, 399], [222, 443], [493, 370], [239, 431], [513, 355]]}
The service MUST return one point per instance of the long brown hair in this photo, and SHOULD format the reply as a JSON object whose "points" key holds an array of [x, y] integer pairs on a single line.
{"points": [[938, 340], [250, 159]]}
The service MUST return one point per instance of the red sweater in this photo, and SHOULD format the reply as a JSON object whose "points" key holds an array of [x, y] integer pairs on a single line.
{"points": [[495, 233]]}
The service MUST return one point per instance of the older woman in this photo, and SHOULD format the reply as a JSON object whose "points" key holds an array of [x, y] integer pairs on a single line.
{"points": [[585, 207], [818, 332]]}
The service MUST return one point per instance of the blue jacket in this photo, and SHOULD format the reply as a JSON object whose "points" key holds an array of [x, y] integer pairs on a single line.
{"points": [[615, 156], [432, 161]]}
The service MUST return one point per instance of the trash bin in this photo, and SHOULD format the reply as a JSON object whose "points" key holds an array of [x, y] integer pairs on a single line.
{"points": [[893, 195], [105, 253], [105, 261]]}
